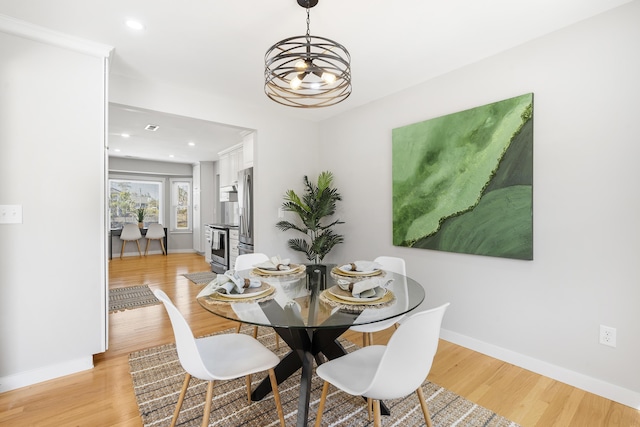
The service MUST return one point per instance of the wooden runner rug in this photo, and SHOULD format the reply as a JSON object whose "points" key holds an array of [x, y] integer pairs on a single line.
{"points": [[157, 378], [131, 297]]}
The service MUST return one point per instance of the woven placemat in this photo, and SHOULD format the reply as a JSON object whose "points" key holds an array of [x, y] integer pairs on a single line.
{"points": [[327, 298]]}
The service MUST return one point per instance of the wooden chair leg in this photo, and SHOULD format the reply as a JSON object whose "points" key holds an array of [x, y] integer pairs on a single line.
{"points": [[423, 405], [276, 395], [185, 385], [146, 249], [277, 341], [248, 380], [139, 251], [239, 326], [207, 405], [376, 414], [164, 251], [255, 332], [364, 339], [370, 338], [323, 398], [122, 250], [369, 408]]}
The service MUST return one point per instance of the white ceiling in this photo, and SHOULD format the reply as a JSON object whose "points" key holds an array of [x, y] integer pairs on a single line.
{"points": [[218, 47]]}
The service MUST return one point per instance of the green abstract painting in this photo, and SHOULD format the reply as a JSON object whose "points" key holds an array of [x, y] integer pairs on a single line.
{"points": [[464, 182]]}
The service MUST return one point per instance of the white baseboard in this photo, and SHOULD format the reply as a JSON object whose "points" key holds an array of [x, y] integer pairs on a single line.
{"points": [[592, 385], [45, 373], [156, 252]]}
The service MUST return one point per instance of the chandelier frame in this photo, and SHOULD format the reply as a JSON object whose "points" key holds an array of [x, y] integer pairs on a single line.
{"points": [[307, 71]]}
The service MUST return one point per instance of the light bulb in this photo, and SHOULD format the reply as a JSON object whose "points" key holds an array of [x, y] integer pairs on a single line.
{"points": [[295, 83], [301, 65], [328, 77]]}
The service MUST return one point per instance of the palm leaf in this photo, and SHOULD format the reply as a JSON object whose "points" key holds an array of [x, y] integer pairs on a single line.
{"points": [[317, 202]]}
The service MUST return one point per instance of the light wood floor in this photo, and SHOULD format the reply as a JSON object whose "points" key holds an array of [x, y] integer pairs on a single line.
{"points": [[104, 396]]}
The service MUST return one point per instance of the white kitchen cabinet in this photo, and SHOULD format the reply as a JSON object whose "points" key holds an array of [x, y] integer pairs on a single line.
{"points": [[233, 247], [247, 151], [230, 163]]}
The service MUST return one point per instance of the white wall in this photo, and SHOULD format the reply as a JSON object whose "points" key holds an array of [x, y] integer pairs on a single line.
{"points": [[542, 314], [52, 162]]}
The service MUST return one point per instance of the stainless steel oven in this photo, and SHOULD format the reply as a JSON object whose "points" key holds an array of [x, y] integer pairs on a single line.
{"points": [[217, 238]]}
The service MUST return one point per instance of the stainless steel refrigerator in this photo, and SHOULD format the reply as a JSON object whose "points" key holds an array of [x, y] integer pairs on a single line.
{"points": [[245, 210]]}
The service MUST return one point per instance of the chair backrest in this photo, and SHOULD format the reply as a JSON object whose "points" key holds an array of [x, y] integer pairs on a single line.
{"points": [[393, 264], [396, 265], [155, 231], [188, 353], [247, 261], [130, 232], [408, 357]]}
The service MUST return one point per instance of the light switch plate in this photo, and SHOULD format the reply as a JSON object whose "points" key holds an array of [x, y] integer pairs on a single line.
{"points": [[10, 214]]}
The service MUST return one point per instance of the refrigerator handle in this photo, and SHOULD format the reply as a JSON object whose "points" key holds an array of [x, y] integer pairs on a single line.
{"points": [[249, 208]]}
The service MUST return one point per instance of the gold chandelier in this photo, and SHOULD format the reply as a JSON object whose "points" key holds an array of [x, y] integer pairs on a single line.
{"points": [[307, 71]]}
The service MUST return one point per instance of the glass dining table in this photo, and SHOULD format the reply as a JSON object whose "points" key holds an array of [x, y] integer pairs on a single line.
{"points": [[309, 310]]}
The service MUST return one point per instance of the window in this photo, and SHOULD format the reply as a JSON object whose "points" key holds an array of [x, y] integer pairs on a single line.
{"points": [[181, 204], [126, 197]]}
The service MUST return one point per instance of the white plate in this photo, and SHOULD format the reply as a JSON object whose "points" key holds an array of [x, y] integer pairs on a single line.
{"points": [[295, 268], [344, 295], [250, 292], [349, 273]]}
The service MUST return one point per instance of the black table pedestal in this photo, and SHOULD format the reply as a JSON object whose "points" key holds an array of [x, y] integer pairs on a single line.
{"points": [[306, 346]]}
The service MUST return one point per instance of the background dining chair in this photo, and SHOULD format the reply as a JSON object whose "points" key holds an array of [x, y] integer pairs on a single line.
{"points": [[155, 232], [245, 262], [130, 232], [395, 265], [380, 372], [218, 357]]}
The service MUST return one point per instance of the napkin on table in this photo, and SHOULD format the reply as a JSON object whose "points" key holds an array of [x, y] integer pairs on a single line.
{"points": [[367, 288], [228, 283], [275, 263], [362, 266]]}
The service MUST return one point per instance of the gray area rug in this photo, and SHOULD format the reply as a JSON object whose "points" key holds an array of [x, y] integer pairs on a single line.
{"points": [[157, 378], [131, 297], [201, 278]]}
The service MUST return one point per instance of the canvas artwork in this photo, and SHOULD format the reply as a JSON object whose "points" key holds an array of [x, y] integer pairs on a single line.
{"points": [[464, 182]]}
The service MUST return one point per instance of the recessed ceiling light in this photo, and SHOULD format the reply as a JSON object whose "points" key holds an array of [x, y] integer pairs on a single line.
{"points": [[152, 128], [171, 156], [125, 135], [192, 144], [134, 25]]}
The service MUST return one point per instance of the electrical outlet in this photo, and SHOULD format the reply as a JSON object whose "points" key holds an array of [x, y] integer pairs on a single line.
{"points": [[607, 336], [10, 214]]}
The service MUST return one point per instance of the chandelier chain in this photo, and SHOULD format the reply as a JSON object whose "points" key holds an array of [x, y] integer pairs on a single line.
{"points": [[308, 22]]}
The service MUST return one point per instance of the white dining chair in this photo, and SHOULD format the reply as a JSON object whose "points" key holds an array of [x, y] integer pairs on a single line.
{"points": [[130, 232], [155, 232], [245, 262], [380, 372], [394, 265], [218, 358]]}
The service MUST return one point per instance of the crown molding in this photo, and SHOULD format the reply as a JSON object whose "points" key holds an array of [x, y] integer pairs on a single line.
{"points": [[34, 32]]}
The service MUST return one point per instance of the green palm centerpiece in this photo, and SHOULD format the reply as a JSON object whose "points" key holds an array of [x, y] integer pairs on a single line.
{"points": [[317, 202], [140, 213]]}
